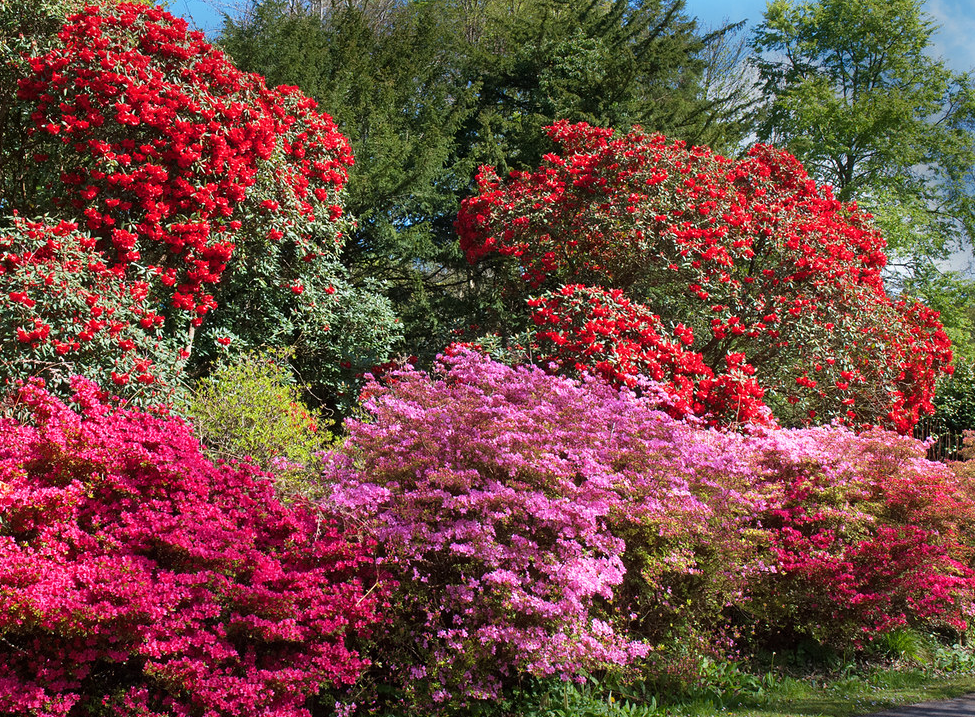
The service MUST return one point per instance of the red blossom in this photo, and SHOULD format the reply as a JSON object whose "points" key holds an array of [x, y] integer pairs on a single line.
{"points": [[161, 143]]}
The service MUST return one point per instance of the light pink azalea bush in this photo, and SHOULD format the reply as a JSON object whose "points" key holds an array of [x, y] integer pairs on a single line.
{"points": [[136, 577], [544, 526]]}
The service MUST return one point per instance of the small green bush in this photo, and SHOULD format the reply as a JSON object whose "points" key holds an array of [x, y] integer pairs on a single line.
{"points": [[251, 407]]}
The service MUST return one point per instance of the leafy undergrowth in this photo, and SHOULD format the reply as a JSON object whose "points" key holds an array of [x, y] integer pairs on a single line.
{"points": [[915, 669]]}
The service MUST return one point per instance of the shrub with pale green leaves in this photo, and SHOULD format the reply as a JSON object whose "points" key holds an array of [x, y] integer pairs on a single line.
{"points": [[251, 407]]}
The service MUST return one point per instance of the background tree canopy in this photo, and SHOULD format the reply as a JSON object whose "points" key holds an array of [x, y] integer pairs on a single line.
{"points": [[854, 93], [428, 91]]}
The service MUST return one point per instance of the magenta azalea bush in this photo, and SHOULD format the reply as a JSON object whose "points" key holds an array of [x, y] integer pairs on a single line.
{"points": [[136, 577], [866, 534], [551, 527]]}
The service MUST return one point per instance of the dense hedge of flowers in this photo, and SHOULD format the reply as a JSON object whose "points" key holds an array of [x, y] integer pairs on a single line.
{"points": [[138, 578], [751, 255], [542, 525], [867, 536], [492, 516]]}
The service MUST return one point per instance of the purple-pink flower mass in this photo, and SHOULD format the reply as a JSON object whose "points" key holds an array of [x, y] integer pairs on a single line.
{"points": [[541, 525]]}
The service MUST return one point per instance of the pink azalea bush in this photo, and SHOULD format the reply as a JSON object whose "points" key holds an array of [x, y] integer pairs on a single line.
{"points": [[867, 535], [501, 497], [136, 577], [547, 526]]}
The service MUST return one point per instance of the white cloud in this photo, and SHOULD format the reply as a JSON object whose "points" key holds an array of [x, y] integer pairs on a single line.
{"points": [[953, 40]]}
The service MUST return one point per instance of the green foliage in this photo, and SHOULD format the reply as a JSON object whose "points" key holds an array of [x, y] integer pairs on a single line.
{"points": [[250, 407], [606, 63], [907, 645], [591, 698], [336, 330], [396, 94], [954, 401], [427, 91], [955, 658], [842, 76], [399, 96], [856, 95]]}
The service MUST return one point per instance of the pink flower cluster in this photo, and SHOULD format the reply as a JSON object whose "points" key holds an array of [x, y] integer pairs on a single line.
{"points": [[138, 578], [867, 536]]}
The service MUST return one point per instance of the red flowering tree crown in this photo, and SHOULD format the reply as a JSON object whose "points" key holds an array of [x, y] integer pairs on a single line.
{"points": [[750, 255], [199, 181], [167, 150]]}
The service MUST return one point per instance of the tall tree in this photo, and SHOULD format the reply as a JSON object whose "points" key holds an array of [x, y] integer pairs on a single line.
{"points": [[857, 96], [611, 64], [396, 90]]}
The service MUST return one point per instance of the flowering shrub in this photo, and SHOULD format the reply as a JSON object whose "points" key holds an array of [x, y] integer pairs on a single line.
{"points": [[583, 328], [158, 142], [749, 254], [197, 179], [65, 312], [250, 407], [499, 497], [551, 526], [137, 577], [866, 536]]}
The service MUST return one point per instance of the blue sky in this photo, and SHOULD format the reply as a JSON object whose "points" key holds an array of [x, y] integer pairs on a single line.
{"points": [[953, 43]]}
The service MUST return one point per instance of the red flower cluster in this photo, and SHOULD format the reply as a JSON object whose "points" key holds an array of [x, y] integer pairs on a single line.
{"points": [[589, 329], [170, 154], [138, 578], [70, 311], [750, 254]]}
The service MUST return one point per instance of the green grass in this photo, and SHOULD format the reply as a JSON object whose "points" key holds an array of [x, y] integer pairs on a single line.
{"points": [[837, 694], [874, 691]]}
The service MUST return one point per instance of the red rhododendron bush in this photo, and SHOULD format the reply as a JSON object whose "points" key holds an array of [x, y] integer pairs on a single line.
{"points": [[542, 525], [62, 299], [217, 194], [748, 265], [138, 578], [581, 328]]}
